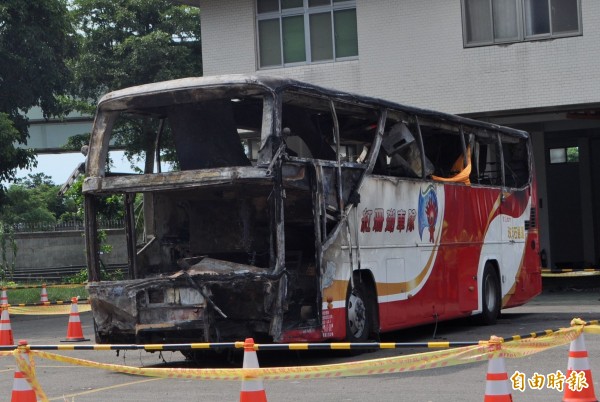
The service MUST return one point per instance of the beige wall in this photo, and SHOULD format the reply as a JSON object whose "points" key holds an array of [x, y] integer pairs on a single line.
{"points": [[411, 51]]}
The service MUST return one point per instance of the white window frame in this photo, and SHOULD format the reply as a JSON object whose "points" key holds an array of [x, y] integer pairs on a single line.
{"points": [[306, 12], [521, 26]]}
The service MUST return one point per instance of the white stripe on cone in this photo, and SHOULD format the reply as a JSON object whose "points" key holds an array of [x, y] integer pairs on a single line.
{"points": [[251, 384], [22, 391], [252, 387], [5, 321], [578, 363], [44, 296], [499, 386], [21, 384]]}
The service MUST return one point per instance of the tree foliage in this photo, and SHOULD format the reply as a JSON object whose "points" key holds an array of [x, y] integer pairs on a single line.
{"points": [[12, 157], [110, 207], [131, 42], [36, 40], [34, 200]]}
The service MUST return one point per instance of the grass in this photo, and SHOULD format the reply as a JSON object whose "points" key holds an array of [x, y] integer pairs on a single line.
{"points": [[33, 295], [71, 287]]}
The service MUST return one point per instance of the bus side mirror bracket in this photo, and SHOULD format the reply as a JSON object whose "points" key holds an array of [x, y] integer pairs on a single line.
{"points": [[354, 198]]}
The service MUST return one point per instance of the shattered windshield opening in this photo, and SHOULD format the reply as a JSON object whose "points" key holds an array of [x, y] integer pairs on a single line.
{"points": [[209, 133], [202, 140]]}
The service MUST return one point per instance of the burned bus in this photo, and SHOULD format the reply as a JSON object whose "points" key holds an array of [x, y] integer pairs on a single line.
{"points": [[295, 213]]}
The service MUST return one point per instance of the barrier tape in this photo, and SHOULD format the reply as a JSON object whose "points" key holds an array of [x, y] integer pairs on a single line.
{"points": [[570, 274], [590, 327], [49, 303], [423, 361], [396, 364], [518, 346], [48, 309], [62, 285], [362, 346], [550, 270], [27, 367], [148, 347], [24, 308]]}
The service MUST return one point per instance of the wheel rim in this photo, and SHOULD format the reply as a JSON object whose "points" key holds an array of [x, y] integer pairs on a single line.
{"points": [[490, 293], [357, 317]]}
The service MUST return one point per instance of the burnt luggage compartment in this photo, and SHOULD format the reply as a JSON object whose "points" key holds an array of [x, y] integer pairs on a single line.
{"points": [[183, 307]]}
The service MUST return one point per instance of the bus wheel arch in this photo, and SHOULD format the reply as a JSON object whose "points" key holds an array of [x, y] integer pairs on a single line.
{"points": [[362, 318], [491, 294]]}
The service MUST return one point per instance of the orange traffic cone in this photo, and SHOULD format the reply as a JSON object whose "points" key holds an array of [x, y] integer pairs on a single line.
{"points": [[22, 391], [496, 385], [578, 369], [44, 294], [6, 335], [74, 329], [3, 297], [252, 386]]}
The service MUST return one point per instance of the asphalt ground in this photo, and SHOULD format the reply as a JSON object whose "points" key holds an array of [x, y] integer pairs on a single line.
{"points": [[554, 308]]}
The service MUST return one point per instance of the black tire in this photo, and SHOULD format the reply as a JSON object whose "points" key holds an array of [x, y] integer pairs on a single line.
{"points": [[490, 297], [358, 320]]}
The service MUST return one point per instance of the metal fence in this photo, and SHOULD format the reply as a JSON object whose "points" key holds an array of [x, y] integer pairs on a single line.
{"points": [[25, 227]]}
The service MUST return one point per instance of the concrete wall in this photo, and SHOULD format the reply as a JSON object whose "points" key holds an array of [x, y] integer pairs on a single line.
{"points": [[41, 250], [411, 51]]}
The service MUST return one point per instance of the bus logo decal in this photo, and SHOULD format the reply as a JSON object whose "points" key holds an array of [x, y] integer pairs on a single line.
{"points": [[365, 221], [401, 220], [428, 212], [390, 220], [378, 220], [412, 216]]}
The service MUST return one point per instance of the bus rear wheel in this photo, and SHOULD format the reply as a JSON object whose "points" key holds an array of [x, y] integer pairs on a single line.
{"points": [[490, 297], [358, 322]]}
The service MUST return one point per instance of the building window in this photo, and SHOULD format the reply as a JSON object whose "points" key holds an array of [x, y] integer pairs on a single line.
{"points": [[305, 31], [564, 155], [488, 22]]}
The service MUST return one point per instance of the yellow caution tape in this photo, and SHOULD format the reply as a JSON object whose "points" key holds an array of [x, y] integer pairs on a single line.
{"points": [[396, 364], [592, 329], [529, 346], [495, 347], [569, 274], [377, 366], [63, 286], [48, 310], [27, 367]]}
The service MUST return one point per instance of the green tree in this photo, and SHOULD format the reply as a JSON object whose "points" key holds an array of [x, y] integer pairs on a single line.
{"points": [[34, 200], [131, 42], [36, 40], [11, 157], [109, 207]]}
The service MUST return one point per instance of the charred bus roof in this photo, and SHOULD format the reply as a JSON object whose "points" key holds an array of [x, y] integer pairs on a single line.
{"points": [[195, 88]]}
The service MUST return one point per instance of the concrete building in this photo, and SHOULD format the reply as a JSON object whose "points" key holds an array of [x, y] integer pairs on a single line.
{"points": [[529, 64]]}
